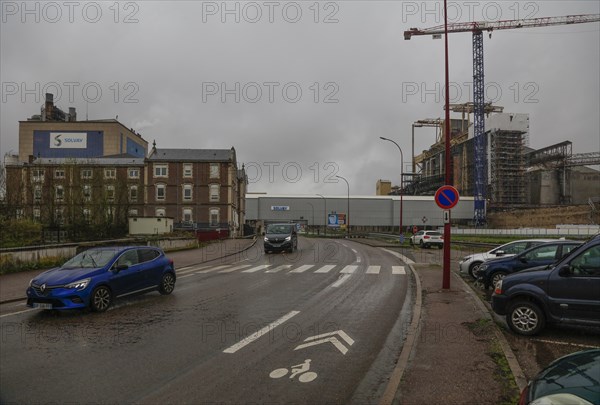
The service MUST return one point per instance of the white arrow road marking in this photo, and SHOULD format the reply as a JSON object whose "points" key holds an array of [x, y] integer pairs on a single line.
{"points": [[303, 268], [328, 337], [341, 280], [256, 335], [398, 270], [373, 269]]}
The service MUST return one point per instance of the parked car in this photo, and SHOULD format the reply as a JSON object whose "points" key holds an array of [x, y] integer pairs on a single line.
{"points": [[491, 271], [96, 277], [470, 263], [427, 239], [572, 379], [280, 237], [567, 292]]}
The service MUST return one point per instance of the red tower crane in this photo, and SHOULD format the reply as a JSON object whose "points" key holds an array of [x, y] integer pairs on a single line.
{"points": [[477, 28]]}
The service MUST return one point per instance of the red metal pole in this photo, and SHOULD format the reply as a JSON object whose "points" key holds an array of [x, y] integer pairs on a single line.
{"points": [[446, 268]]}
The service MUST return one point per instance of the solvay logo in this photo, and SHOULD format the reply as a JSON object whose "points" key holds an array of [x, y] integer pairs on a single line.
{"points": [[57, 141]]}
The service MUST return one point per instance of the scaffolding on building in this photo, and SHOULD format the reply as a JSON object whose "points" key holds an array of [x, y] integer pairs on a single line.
{"points": [[507, 169]]}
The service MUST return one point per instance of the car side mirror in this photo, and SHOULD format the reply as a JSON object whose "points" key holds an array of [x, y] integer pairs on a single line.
{"points": [[565, 271]]}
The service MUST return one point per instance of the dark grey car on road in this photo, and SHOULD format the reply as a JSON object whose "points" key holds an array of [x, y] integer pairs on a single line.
{"points": [[281, 237]]}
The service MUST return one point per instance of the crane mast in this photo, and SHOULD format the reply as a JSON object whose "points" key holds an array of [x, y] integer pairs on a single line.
{"points": [[477, 28]]}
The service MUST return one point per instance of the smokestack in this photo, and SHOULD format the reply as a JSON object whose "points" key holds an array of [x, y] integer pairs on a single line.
{"points": [[48, 107]]}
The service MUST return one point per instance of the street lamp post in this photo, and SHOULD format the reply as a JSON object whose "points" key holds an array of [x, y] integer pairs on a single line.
{"points": [[348, 207], [313, 213], [325, 201], [401, 179]]}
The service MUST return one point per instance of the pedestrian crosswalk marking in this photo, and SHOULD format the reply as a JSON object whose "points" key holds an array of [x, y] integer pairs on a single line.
{"points": [[279, 268], [257, 268], [398, 270], [211, 269], [325, 269], [189, 269], [373, 269], [235, 268], [303, 268], [349, 269]]}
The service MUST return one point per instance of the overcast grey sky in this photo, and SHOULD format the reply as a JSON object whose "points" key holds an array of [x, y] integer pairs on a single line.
{"points": [[302, 90]]}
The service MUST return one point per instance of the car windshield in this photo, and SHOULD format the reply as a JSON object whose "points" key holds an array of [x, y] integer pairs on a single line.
{"points": [[90, 259], [279, 229]]}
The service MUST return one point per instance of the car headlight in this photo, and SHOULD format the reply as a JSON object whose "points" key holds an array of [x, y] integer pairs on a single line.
{"points": [[466, 258], [79, 285], [30, 282], [266, 239], [482, 268], [289, 238]]}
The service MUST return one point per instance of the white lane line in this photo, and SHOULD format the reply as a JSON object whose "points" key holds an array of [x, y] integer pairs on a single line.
{"points": [[20, 312], [373, 269], [556, 342], [256, 335], [341, 280], [213, 269], [187, 275], [303, 268], [399, 256], [398, 270], [326, 268], [279, 268], [349, 269], [257, 268], [235, 268]]}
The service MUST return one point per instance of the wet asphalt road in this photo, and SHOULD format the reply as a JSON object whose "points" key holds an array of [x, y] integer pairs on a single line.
{"points": [[323, 325]]}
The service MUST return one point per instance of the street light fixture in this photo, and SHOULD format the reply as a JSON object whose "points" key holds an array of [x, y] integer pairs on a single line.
{"points": [[348, 207], [401, 181], [325, 209]]}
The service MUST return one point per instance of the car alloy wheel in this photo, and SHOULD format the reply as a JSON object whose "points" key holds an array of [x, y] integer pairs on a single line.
{"points": [[101, 299], [497, 277], [473, 268], [525, 318], [167, 284]]}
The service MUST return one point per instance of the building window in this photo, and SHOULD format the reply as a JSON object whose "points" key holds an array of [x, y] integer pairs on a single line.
{"points": [[133, 194], [214, 216], [87, 215], [133, 173], [59, 193], [214, 192], [37, 175], [187, 170], [133, 212], [59, 174], [37, 214], [86, 173], [59, 216], [20, 213], [110, 173], [161, 192], [161, 170], [87, 192], [214, 171], [160, 212], [37, 194], [187, 192], [110, 192], [187, 215]]}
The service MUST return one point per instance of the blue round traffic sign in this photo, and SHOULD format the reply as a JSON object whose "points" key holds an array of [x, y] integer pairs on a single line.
{"points": [[446, 197]]}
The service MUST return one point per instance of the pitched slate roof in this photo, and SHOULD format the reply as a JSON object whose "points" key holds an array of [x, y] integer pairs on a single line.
{"points": [[192, 155]]}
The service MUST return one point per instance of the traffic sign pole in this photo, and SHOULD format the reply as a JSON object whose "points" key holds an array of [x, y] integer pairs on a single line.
{"points": [[446, 197]]}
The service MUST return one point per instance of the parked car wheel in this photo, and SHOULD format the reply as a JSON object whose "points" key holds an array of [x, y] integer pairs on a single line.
{"points": [[101, 299], [167, 284], [525, 318], [421, 244], [473, 269], [499, 275]]}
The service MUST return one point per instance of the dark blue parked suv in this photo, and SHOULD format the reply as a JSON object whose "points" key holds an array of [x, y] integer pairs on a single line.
{"points": [[95, 277], [568, 292], [491, 271]]}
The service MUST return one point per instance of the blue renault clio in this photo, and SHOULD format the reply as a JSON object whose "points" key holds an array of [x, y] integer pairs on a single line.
{"points": [[96, 277]]}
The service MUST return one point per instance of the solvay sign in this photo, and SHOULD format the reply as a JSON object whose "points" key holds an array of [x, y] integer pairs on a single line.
{"points": [[68, 140]]}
